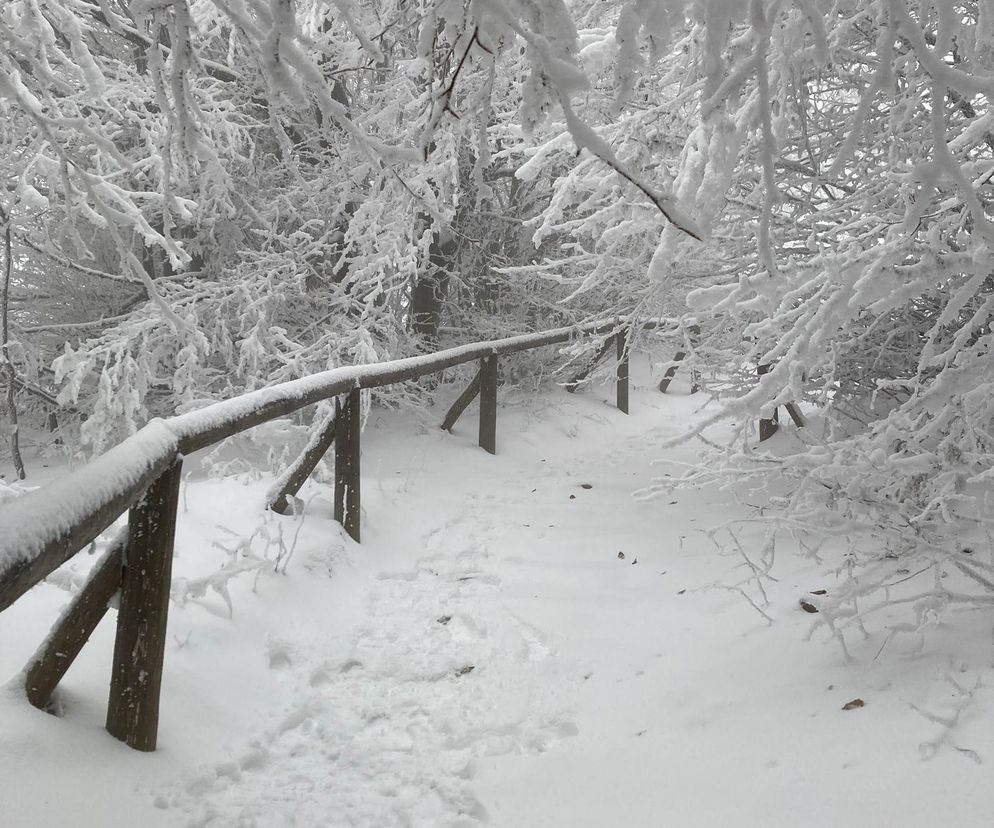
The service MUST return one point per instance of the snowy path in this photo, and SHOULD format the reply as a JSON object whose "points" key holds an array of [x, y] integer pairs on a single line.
{"points": [[487, 657], [388, 735]]}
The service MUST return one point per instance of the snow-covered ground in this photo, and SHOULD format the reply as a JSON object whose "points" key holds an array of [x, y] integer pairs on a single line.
{"points": [[518, 641]]}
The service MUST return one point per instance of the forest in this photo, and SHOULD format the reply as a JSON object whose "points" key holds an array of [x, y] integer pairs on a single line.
{"points": [[204, 198]]}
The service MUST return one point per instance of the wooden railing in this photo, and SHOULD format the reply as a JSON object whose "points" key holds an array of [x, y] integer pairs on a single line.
{"points": [[44, 528]]}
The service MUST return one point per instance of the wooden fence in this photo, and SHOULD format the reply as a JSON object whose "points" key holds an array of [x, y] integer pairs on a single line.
{"points": [[43, 529]]}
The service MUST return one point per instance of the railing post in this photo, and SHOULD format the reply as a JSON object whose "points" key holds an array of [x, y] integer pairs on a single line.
{"points": [[347, 462], [488, 404], [621, 384], [695, 333], [136, 674], [767, 426]]}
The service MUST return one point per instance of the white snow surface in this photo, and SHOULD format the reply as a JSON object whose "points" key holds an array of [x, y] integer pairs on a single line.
{"points": [[485, 657]]}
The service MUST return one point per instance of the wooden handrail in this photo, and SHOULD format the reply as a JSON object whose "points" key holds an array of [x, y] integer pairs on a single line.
{"points": [[210, 425], [44, 528]]}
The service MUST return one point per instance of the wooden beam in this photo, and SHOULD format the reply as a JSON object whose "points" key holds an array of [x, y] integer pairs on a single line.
{"points": [[488, 404], [664, 383], [462, 402], [75, 626], [347, 489], [795, 414], [206, 426], [694, 331], [585, 372], [621, 383], [136, 674], [768, 426], [290, 482]]}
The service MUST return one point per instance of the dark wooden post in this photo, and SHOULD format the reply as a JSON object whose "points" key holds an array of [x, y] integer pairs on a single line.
{"points": [[136, 674], [621, 389], [347, 462], [767, 426], [695, 333], [488, 404]]}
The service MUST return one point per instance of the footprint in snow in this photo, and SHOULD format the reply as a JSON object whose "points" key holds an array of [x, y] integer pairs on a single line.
{"points": [[279, 655], [390, 736]]}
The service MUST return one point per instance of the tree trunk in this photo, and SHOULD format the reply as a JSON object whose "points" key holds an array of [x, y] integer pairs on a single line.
{"points": [[9, 374], [431, 289]]}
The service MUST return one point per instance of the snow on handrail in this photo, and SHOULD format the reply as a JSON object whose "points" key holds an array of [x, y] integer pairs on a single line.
{"points": [[42, 529]]}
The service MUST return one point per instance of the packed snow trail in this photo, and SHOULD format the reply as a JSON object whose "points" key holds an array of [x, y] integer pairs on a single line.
{"points": [[388, 735], [518, 641]]}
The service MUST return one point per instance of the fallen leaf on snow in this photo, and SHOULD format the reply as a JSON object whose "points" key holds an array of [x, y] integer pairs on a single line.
{"points": [[852, 705], [807, 606], [971, 754]]}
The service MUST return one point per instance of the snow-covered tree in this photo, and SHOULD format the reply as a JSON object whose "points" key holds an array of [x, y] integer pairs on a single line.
{"points": [[858, 156], [210, 196]]}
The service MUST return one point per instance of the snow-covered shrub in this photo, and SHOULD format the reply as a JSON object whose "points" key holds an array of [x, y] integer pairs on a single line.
{"points": [[865, 185]]}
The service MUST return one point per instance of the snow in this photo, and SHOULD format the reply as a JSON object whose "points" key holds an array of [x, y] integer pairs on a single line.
{"points": [[40, 516], [486, 657], [48, 514]]}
